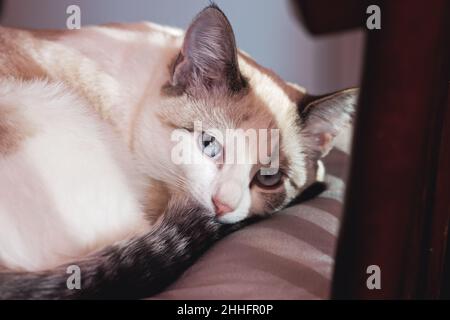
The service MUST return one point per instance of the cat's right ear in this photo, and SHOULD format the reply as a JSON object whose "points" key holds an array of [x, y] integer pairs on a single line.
{"points": [[208, 57]]}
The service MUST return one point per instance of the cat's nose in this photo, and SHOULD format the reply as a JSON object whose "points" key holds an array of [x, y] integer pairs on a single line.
{"points": [[220, 207]]}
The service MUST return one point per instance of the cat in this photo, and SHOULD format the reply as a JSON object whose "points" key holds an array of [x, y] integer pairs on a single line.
{"points": [[87, 123]]}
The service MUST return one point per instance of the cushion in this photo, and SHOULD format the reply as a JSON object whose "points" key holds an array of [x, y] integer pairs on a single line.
{"points": [[288, 256]]}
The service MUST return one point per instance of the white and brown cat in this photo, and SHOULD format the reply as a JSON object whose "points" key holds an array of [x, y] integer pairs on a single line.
{"points": [[86, 174]]}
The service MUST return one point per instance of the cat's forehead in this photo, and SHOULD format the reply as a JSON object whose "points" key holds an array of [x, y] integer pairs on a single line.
{"points": [[261, 78]]}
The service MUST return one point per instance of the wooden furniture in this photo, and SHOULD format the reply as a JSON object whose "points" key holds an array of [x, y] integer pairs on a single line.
{"points": [[398, 197]]}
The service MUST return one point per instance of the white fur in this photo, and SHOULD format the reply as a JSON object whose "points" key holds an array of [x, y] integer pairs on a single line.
{"points": [[69, 189]]}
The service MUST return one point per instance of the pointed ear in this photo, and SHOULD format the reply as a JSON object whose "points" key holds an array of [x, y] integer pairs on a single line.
{"points": [[208, 58], [324, 117]]}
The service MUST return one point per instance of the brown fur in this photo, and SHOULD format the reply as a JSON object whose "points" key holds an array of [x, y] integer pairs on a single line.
{"points": [[13, 43], [13, 130], [292, 91], [157, 198]]}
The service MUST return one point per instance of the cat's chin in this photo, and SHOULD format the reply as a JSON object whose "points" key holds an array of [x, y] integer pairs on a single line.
{"points": [[232, 217]]}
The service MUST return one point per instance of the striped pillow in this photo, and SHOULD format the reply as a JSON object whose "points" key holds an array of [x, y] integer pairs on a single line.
{"points": [[289, 256]]}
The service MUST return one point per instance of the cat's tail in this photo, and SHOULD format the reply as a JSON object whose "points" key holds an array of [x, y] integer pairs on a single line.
{"points": [[135, 268]]}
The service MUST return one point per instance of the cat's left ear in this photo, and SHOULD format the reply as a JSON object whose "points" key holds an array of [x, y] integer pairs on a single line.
{"points": [[324, 117], [208, 58]]}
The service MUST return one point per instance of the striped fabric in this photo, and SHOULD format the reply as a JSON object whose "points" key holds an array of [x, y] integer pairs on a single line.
{"points": [[289, 256]]}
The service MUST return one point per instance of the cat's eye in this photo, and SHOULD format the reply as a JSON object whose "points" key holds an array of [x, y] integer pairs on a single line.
{"points": [[268, 181], [209, 145]]}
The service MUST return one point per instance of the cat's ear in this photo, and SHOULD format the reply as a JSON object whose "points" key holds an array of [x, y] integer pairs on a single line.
{"points": [[324, 117], [208, 57]]}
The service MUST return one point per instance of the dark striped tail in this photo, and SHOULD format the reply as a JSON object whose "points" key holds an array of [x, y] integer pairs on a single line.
{"points": [[136, 268]]}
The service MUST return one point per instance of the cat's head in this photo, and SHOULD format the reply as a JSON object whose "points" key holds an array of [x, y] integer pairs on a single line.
{"points": [[221, 103]]}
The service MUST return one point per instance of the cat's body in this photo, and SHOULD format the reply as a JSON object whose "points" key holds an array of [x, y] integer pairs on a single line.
{"points": [[66, 163], [86, 119]]}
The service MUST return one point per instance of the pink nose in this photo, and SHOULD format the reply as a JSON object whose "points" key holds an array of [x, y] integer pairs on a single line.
{"points": [[220, 207]]}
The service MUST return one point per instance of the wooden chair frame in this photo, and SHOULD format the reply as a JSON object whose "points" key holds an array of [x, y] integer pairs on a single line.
{"points": [[397, 204]]}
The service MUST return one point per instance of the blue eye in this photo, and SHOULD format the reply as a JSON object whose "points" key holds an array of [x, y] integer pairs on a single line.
{"points": [[269, 181], [209, 145]]}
